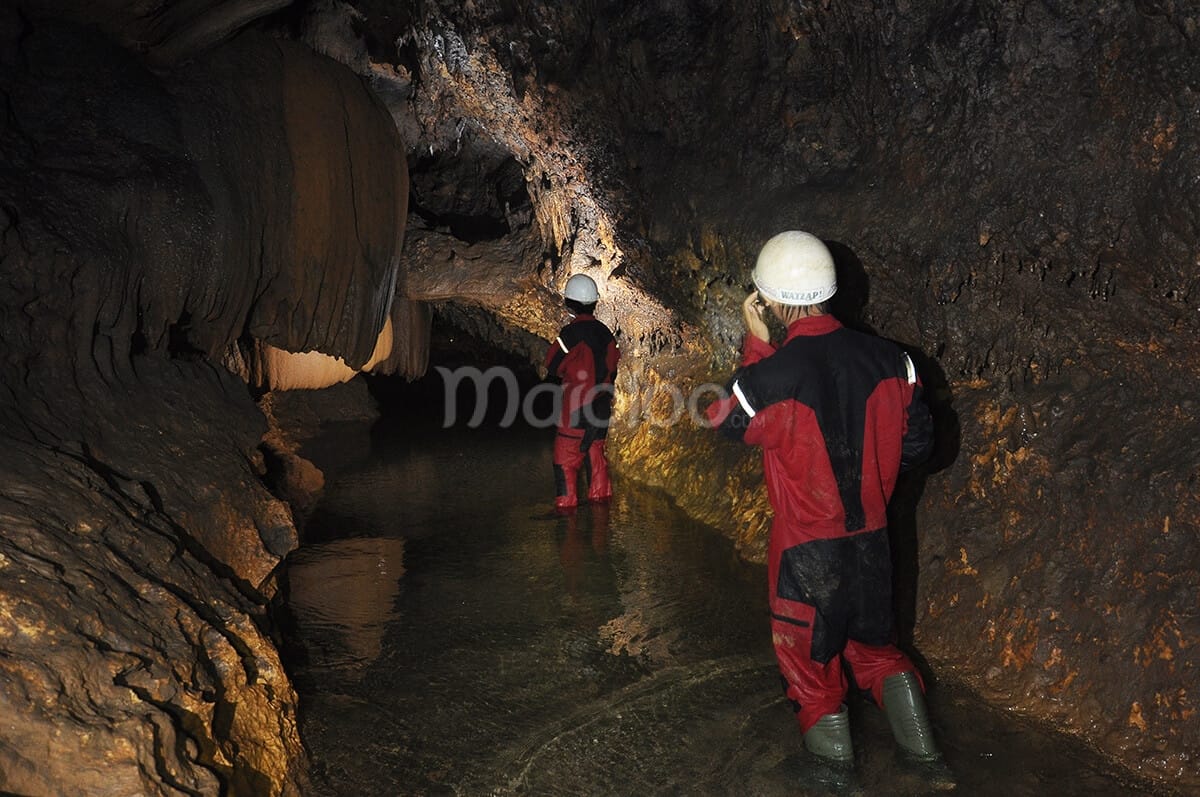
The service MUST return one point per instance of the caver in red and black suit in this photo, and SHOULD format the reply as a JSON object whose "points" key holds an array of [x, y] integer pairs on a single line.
{"points": [[838, 414], [584, 357]]}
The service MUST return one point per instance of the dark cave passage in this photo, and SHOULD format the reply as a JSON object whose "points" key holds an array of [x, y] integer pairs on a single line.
{"points": [[471, 382]]}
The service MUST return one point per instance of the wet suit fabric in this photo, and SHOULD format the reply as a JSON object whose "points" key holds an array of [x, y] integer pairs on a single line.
{"points": [[838, 413], [584, 356]]}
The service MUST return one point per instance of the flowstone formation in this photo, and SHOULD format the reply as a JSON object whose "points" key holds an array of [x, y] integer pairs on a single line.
{"points": [[1008, 189], [156, 226]]}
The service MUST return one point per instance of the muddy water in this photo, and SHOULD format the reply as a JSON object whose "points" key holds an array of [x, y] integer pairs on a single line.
{"points": [[453, 637]]}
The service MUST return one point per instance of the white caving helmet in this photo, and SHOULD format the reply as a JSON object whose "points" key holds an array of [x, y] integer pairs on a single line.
{"points": [[795, 268], [581, 288]]}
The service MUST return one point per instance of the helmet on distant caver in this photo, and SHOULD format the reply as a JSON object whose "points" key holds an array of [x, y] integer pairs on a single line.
{"points": [[581, 288], [795, 268]]}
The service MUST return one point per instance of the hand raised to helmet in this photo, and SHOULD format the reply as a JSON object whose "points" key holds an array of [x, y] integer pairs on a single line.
{"points": [[752, 315]]}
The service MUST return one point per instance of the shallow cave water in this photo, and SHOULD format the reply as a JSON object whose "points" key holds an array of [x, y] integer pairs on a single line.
{"points": [[448, 633]]}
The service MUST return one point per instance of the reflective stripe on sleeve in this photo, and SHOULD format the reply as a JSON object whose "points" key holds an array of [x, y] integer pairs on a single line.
{"points": [[741, 397], [912, 371], [563, 346]]}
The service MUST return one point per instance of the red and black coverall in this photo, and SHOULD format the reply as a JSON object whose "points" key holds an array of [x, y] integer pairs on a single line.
{"points": [[838, 414], [584, 357]]}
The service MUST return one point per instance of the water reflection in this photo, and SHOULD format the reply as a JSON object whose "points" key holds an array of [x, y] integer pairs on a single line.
{"points": [[572, 547], [342, 595], [463, 639]]}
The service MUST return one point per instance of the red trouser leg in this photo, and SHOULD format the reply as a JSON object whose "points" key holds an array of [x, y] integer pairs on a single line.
{"points": [[567, 460], [819, 689], [871, 664], [565, 495], [830, 603], [814, 689], [599, 488]]}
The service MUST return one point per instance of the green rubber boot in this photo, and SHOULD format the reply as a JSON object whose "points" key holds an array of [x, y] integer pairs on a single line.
{"points": [[830, 737], [904, 705]]}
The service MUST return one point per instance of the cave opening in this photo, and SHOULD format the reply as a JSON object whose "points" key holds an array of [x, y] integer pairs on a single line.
{"points": [[471, 381]]}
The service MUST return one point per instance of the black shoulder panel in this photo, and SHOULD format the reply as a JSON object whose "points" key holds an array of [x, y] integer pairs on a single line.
{"points": [[596, 336], [834, 375]]}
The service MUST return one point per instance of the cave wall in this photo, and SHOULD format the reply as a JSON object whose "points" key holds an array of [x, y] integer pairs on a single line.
{"points": [[1014, 183], [138, 544], [1007, 188], [156, 220], [1008, 191], [290, 149]]}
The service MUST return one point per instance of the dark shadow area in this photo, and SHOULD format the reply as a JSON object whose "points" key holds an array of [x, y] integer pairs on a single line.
{"points": [[849, 305], [470, 383], [474, 397], [473, 391]]}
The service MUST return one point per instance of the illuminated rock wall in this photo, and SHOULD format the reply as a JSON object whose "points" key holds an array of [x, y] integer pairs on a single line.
{"points": [[151, 224]]}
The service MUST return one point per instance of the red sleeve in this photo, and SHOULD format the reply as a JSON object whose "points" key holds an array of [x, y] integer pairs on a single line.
{"points": [[719, 410], [555, 355], [771, 426], [754, 349]]}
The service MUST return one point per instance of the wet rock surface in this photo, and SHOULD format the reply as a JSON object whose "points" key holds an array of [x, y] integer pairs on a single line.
{"points": [[133, 577], [143, 234]]}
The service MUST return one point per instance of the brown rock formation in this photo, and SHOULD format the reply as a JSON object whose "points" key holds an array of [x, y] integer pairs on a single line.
{"points": [[150, 222], [132, 582]]}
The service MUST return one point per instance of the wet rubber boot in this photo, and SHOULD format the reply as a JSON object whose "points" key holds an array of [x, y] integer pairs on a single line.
{"points": [[599, 486], [564, 482], [829, 738], [904, 704]]}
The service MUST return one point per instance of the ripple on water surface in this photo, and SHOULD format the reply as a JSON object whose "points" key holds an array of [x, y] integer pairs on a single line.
{"points": [[454, 637]]}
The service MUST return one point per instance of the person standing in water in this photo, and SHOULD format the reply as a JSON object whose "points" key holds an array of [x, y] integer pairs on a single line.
{"points": [[838, 414], [584, 356]]}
